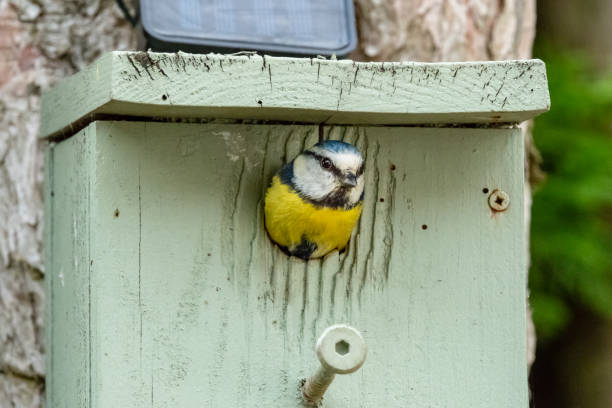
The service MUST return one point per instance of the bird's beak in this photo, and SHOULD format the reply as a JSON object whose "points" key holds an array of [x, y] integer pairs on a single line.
{"points": [[350, 180]]}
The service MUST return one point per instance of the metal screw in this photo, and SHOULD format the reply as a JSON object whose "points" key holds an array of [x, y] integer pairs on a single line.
{"points": [[341, 350], [499, 200]]}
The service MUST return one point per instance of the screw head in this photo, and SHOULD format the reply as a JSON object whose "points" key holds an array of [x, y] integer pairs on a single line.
{"points": [[341, 349], [499, 200]]}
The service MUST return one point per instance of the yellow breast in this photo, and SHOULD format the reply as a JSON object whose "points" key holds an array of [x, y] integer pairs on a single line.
{"points": [[289, 218]]}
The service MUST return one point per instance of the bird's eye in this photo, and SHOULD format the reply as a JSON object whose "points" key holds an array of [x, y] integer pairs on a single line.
{"points": [[326, 163]]}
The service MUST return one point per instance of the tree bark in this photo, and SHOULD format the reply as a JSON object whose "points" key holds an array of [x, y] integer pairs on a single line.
{"points": [[41, 42]]}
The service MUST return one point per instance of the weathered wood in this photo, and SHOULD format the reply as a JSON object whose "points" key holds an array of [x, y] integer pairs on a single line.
{"points": [[182, 300], [246, 87], [69, 291]]}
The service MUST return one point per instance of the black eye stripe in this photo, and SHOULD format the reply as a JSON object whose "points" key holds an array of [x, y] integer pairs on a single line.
{"points": [[333, 169]]}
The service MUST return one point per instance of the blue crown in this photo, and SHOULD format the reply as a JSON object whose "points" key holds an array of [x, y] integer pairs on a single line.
{"points": [[337, 146]]}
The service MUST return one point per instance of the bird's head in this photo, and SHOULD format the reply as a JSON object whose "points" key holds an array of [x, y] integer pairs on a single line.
{"points": [[330, 173]]}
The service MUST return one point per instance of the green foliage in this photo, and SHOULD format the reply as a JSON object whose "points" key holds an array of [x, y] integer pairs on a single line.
{"points": [[571, 230]]}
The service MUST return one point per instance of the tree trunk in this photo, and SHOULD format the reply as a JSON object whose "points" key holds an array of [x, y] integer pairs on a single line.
{"points": [[40, 42], [43, 41]]}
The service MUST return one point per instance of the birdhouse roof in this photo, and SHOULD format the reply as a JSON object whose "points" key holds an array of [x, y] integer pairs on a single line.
{"points": [[248, 87]]}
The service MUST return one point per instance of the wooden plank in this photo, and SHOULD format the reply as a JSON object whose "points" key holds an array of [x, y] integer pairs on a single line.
{"points": [[67, 248], [249, 87], [193, 305], [118, 308], [48, 199]]}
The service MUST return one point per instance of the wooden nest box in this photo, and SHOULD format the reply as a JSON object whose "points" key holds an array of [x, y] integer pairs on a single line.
{"points": [[165, 291]]}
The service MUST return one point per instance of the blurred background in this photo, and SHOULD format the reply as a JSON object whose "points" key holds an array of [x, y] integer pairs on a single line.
{"points": [[569, 164], [571, 230]]}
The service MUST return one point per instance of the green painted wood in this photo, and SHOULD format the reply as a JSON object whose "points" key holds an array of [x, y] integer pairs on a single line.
{"points": [[186, 303], [68, 277], [186, 86]]}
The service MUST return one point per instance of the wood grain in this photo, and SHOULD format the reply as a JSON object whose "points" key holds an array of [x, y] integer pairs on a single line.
{"points": [[192, 305], [69, 290], [250, 87]]}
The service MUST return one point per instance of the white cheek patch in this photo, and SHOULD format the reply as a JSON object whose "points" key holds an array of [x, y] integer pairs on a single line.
{"points": [[311, 179], [316, 183]]}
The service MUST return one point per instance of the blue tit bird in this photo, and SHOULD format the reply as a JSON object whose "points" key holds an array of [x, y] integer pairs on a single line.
{"points": [[314, 201]]}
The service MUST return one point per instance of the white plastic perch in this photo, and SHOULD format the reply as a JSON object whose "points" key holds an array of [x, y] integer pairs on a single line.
{"points": [[341, 350]]}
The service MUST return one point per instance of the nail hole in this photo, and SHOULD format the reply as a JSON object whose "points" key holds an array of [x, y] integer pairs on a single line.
{"points": [[260, 102], [485, 190], [424, 226], [393, 167], [116, 213], [164, 97], [382, 200], [342, 348]]}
